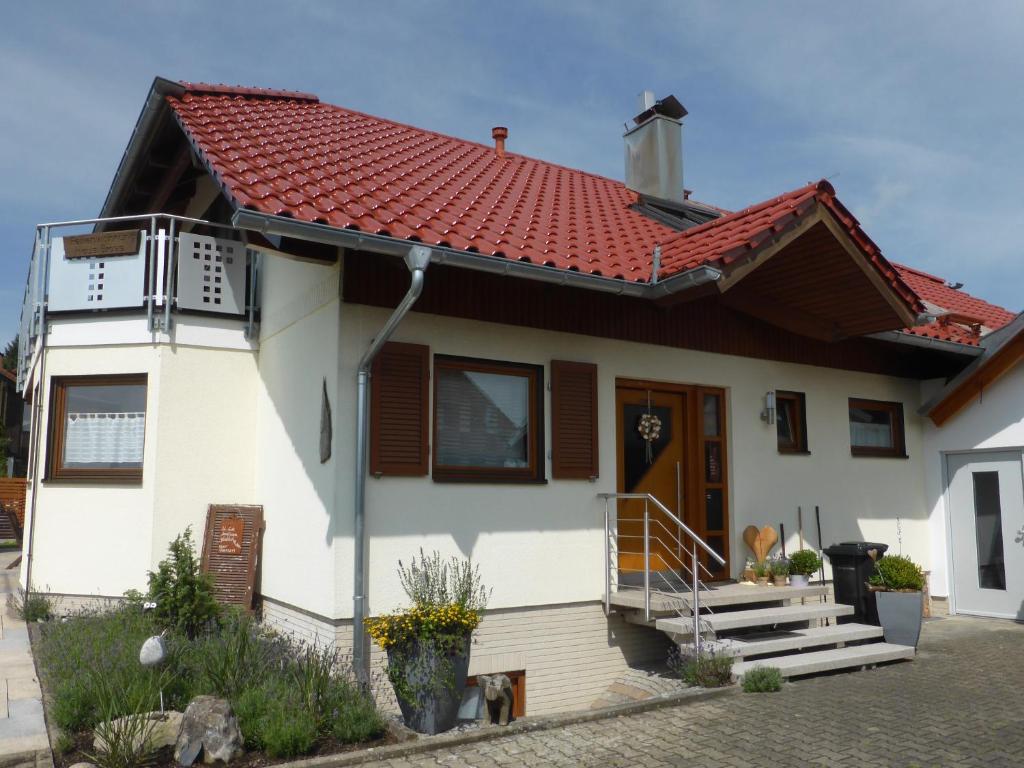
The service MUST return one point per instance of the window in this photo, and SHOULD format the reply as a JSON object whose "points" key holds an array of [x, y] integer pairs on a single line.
{"points": [[791, 422], [487, 420], [97, 428], [876, 428]]}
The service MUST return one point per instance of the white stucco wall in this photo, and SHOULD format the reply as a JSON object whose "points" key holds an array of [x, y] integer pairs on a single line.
{"points": [[298, 352], [542, 544], [100, 539], [993, 421]]}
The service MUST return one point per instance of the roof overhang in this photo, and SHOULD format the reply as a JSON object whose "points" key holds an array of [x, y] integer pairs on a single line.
{"points": [[812, 279], [1000, 352]]}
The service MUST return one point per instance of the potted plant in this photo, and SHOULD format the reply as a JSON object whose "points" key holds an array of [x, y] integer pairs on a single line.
{"points": [[801, 565], [898, 583], [780, 570], [748, 571], [428, 644], [761, 573]]}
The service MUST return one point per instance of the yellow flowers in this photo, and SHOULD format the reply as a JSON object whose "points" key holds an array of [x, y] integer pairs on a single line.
{"points": [[422, 621]]}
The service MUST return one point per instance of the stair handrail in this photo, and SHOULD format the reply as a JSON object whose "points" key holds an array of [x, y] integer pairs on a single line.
{"points": [[695, 563]]}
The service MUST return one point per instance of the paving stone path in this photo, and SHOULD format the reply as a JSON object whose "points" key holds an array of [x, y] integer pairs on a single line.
{"points": [[960, 703], [23, 738]]}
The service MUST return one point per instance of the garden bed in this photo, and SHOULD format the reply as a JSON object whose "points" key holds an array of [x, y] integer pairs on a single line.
{"points": [[292, 700]]}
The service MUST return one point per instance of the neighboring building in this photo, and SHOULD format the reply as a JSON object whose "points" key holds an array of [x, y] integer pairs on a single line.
{"points": [[773, 358], [11, 415]]}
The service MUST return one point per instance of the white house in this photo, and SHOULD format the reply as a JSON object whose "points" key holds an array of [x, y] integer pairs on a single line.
{"points": [[503, 327]]}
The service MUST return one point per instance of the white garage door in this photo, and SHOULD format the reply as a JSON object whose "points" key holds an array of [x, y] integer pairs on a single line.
{"points": [[986, 500]]}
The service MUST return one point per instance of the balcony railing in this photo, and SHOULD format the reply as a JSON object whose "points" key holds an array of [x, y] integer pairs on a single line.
{"points": [[158, 264]]}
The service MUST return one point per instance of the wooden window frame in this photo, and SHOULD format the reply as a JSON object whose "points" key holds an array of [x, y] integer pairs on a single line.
{"points": [[534, 473], [799, 403], [55, 472], [897, 429]]}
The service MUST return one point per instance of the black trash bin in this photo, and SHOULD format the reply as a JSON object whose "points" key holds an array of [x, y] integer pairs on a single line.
{"points": [[851, 567]]}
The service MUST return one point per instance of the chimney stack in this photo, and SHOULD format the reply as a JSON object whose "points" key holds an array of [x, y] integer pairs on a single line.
{"points": [[499, 133], [654, 149]]}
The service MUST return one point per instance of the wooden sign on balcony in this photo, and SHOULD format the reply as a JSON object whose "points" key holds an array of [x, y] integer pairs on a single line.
{"points": [[101, 244], [231, 551]]}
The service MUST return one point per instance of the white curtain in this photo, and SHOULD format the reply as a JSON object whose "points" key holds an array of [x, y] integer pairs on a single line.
{"points": [[104, 439], [870, 435]]}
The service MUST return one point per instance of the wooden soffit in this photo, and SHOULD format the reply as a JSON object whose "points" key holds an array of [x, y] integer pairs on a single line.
{"points": [[814, 280]]}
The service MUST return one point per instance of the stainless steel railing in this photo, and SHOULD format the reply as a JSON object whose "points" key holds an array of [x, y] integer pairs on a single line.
{"points": [[670, 547]]}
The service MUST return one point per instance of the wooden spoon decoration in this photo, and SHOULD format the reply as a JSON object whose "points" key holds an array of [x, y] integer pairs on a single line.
{"points": [[760, 541]]}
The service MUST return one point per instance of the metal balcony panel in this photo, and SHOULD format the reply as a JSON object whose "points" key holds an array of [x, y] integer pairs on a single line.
{"points": [[101, 282], [211, 274]]}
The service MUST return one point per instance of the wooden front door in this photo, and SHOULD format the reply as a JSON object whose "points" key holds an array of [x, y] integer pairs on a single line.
{"points": [[650, 466], [684, 468]]}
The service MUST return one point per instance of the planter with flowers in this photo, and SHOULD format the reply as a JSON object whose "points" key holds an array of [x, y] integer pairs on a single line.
{"points": [[801, 565], [428, 644]]}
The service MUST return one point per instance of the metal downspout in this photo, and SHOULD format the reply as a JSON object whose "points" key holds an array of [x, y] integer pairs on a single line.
{"points": [[417, 260]]}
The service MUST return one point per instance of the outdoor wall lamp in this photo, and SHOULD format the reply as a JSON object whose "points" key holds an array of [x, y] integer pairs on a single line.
{"points": [[768, 412]]}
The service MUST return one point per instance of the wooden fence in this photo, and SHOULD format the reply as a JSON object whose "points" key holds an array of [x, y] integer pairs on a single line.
{"points": [[12, 496]]}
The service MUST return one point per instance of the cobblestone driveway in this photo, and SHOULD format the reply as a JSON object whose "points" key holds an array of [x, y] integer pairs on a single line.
{"points": [[960, 703]]}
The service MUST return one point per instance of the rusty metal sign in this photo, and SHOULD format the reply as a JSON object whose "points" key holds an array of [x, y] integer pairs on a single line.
{"points": [[92, 246], [231, 551]]}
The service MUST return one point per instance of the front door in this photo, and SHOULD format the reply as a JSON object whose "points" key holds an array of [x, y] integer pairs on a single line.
{"points": [[986, 514], [652, 455], [672, 445]]}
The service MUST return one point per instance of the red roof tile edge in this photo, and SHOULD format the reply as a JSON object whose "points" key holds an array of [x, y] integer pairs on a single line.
{"points": [[241, 90]]}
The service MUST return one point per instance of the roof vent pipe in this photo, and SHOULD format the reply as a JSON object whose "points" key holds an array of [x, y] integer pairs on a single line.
{"points": [[417, 260], [499, 133], [654, 149]]}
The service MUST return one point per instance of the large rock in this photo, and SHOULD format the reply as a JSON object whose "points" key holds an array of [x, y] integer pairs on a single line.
{"points": [[161, 730], [210, 727]]}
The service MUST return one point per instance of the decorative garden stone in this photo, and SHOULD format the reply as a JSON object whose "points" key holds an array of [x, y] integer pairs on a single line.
{"points": [[209, 726], [153, 651], [497, 697], [161, 730]]}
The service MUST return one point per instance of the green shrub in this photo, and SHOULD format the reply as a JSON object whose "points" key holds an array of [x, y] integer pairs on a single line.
{"points": [[272, 717], [709, 669], [897, 573], [762, 680], [805, 562], [433, 583], [231, 657], [780, 567], [352, 714], [31, 606], [183, 595]]}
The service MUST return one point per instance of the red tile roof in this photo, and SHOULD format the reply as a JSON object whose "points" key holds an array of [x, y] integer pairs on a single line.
{"points": [[8, 374], [286, 153]]}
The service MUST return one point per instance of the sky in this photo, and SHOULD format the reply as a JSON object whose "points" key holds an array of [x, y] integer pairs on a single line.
{"points": [[912, 110]]}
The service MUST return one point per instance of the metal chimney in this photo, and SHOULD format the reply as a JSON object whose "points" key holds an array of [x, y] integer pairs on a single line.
{"points": [[654, 149]]}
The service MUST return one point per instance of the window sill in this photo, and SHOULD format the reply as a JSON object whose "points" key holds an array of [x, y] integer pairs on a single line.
{"points": [[488, 480], [118, 481], [871, 455], [785, 452]]}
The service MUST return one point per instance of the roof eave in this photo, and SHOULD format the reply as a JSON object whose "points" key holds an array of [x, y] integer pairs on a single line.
{"points": [[145, 128], [269, 224]]}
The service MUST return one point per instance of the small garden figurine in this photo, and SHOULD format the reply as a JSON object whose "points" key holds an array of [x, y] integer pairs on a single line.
{"points": [[428, 644]]}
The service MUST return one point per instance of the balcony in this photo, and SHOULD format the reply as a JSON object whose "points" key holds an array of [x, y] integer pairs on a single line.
{"points": [[160, 266]]}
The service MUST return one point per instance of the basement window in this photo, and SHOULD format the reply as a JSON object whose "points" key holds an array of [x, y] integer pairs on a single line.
{"points": [[791, 422], [97, 428], [876, 428], [487, 421]]}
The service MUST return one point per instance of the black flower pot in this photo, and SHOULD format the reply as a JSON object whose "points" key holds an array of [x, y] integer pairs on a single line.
{"points": [[431, 678], [899, 613]]}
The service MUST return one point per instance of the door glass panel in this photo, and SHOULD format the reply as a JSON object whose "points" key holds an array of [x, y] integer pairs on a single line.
{"points": [[717, 543], [714, 509], [713, 462], [636, 459], [711, 419], [988, 526]]}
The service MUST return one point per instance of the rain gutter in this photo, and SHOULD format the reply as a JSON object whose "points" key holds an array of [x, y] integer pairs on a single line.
{"points": [[283, 226], [926, 342]]}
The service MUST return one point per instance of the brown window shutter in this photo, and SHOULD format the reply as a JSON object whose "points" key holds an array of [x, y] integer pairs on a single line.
{"points": [[573, 420], [398, 410]]}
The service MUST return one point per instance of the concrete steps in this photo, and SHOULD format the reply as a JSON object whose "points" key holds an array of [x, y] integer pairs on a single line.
{"points": [[814, 662], [766, 643], [715, 597], [755, 617]]}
